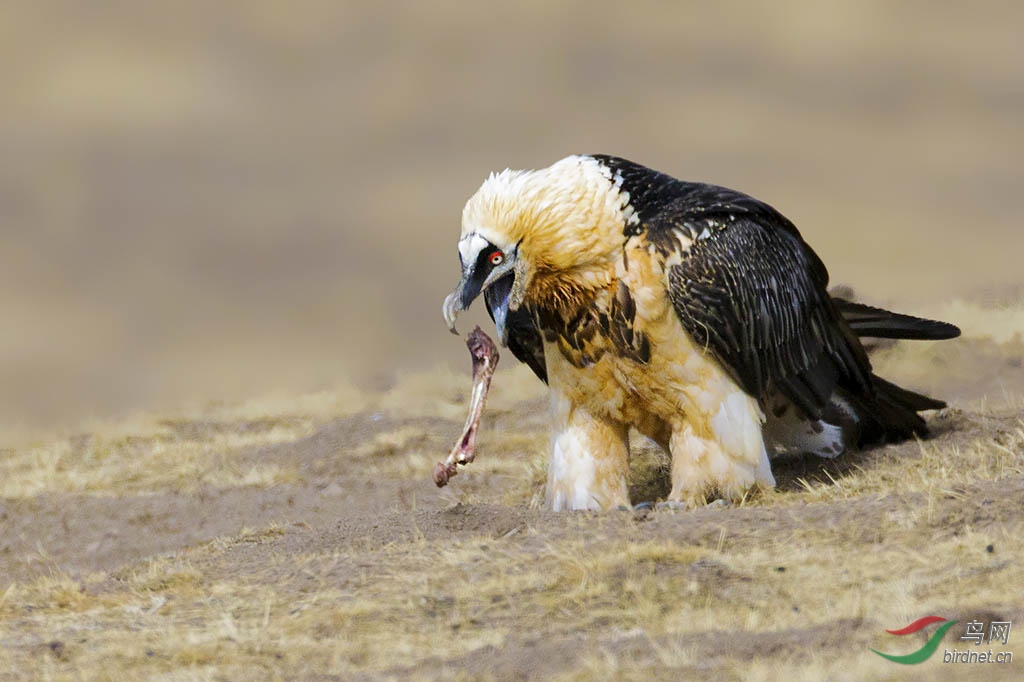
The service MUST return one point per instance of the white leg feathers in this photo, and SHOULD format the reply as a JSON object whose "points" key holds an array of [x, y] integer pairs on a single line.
{"points": [[722, 454], [716, 452], [589, 460]]}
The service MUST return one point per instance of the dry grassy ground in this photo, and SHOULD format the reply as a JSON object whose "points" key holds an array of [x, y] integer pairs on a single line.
{"points": [[302, 538]]}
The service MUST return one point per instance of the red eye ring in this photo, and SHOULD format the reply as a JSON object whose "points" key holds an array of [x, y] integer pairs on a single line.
{"points": [[496, 258]]}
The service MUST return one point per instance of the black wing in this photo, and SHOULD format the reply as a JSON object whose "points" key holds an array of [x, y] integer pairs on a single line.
{"points": [[754, 294], [748, 288]]}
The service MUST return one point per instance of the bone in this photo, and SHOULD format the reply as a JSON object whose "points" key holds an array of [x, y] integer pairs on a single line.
{"points": [[485, 358]]}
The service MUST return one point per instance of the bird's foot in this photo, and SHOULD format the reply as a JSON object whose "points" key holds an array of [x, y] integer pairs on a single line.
{"points": [[679, 505]]}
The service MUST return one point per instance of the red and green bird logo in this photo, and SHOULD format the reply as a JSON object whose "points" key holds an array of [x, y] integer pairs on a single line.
{"points": [[929, 647]]}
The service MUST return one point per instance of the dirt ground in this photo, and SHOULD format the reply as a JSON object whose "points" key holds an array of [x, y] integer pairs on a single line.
{"points": [[304, 539]]}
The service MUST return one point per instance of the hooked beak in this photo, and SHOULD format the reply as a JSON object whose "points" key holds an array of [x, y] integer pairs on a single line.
{"points": [[496, 287], [452, 307]]}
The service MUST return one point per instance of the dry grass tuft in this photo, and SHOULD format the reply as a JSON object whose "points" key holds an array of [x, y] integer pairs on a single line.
{"points": [[933, 467], [176, 454]]}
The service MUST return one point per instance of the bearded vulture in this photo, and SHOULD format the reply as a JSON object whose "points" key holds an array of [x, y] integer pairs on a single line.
{"points": [[692, 313]]}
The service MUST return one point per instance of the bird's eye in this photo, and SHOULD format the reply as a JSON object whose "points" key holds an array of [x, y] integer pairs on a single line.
{"points": [[496, 258]]}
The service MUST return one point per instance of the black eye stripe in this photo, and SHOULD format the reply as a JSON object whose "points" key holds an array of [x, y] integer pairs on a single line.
{"points": [[481, 270], [483, 260]]}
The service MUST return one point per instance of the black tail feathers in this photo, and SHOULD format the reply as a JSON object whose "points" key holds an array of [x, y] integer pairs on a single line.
{"points": [[891, 414], [877, 323]]}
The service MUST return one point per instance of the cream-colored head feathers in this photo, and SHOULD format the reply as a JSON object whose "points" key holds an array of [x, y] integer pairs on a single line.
{"points": [[567, 220]]}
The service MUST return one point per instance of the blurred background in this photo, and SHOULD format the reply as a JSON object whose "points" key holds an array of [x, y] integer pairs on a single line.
{"points": [[210, 201]]}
